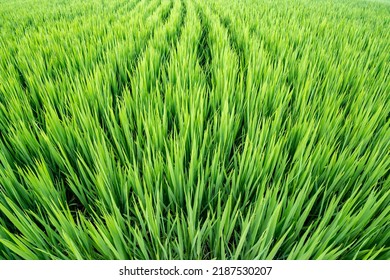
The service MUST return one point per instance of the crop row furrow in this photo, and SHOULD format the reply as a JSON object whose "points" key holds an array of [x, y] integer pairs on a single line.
{"points": [[204, 52], [237, 33], [124, 71]]}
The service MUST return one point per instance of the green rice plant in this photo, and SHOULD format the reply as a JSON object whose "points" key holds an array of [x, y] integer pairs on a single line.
{"points": [[192, 129]]}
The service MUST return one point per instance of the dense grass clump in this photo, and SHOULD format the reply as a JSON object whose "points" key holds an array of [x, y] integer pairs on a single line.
{"points": [[193, 129]]}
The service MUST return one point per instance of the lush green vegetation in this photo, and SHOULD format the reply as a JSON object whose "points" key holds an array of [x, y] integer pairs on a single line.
{"points": [[194, 129]]}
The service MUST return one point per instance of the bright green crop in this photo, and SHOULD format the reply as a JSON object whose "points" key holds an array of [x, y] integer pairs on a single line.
{"points": [[194, 129]]}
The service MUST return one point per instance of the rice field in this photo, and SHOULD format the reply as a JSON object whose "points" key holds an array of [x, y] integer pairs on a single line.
{"points": [[194, 129]]}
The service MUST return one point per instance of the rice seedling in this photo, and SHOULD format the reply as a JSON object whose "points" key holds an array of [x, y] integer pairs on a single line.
{"points": [[192, 129]]}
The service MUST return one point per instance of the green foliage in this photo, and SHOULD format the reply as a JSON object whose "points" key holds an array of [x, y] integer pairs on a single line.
{"points": [[193, 129]]}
